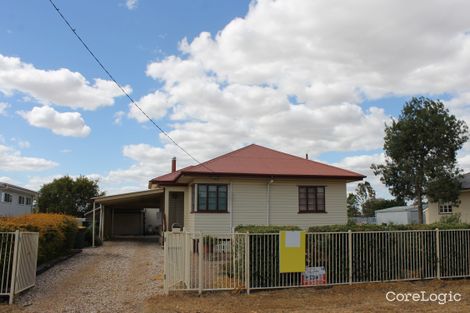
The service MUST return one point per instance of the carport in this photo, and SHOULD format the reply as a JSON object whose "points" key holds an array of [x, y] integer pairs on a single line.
{"points": [[134, 214]]}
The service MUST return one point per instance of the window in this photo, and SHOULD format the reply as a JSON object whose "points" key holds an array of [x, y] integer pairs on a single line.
{"points": [[311, 199], [20, 200], [7, 197], [445, 208], [211, 198], [29, 201]]}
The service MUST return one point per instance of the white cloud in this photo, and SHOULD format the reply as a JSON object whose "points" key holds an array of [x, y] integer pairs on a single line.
{"points": [[64, 124], [3, 108], [154, 105], [61, 87], [131, 4], [238, 85], [150, 161], [293, 74], [118, 117], [23, 144], [361, 164], [6, 179], [13, 161]]}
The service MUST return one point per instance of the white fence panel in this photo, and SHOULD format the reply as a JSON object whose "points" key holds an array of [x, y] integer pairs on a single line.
{"points": [[7, 243], [251, 261], [27, 261], [18, 261]]}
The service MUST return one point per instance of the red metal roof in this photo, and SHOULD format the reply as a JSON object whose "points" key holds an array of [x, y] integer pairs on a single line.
{"points": [[255, 160]]}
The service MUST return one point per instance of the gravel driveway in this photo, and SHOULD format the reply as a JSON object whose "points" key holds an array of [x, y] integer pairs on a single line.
{"points": [[117, 277]]}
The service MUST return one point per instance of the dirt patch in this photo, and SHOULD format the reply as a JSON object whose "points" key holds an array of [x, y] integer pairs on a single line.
{"points": [[356, 298]]}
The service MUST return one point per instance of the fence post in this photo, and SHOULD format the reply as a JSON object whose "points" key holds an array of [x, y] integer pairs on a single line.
{"points": [[14, 266], [201, 260], [247, 262], [438, 254], [350, 256], [166, 289]]}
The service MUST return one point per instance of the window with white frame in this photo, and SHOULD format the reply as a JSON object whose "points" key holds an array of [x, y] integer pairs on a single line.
{"points": [[29, 201], [21, 200], [7, 197], [445, 208]]}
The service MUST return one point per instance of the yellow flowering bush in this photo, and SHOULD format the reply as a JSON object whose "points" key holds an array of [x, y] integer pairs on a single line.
{"points": [[57, 232]]}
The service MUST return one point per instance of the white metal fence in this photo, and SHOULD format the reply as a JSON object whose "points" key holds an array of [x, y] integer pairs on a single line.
{"points": [[245, 261], [18, 260]]}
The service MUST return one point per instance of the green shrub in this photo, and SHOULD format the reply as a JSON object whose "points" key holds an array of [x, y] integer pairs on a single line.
{"points": [[89, 238], [375, 256], [57, 232], [264, 253], [389, 227]]}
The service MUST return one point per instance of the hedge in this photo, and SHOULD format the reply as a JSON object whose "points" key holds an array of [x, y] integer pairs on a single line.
{"points": [[57, 232], [262, 229], [387, 227], [264, 252]]}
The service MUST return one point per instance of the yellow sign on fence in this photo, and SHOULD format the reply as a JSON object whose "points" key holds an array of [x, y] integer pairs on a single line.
{"points": [[291, 251]]}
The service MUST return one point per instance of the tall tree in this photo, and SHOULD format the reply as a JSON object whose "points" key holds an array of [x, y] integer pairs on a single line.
{"points": [[353, 207], [420, 149], [68, 196], [364, 192]]}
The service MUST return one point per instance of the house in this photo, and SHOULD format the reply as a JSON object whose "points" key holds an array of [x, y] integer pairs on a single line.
{"points": [[397, 215], [436, 211], [251, 185], [15, 200]]}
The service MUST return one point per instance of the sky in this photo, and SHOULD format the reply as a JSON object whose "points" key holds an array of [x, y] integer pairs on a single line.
{"points": [[319, 77]]}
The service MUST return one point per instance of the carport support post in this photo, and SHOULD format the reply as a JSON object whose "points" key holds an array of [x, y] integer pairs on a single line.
{"points": [[93, 225]]}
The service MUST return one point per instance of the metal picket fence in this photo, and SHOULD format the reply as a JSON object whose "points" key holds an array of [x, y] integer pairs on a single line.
{"points": [[18, 261], [247, 261]]}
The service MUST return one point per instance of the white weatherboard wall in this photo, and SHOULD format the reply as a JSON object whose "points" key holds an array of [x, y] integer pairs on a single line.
{"points": [[433, 215], [14, 208], [249, 205]]}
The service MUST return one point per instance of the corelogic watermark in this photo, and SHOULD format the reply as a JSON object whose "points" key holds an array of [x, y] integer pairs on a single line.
{"points": [[423, 296]]}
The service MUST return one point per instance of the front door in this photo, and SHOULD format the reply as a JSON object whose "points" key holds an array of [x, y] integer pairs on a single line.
{"points": [[176, 209]]}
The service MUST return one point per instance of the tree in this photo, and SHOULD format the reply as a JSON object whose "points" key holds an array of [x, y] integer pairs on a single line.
{"points": [[372, 205], [68, 196], [353, 208], [420, 153], [364, 192]]}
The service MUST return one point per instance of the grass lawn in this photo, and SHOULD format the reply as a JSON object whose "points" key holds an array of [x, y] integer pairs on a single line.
{"points": [[355, 298]]}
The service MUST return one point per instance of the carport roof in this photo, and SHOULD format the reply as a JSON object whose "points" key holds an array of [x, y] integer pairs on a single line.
{"points": [[138, 200]]}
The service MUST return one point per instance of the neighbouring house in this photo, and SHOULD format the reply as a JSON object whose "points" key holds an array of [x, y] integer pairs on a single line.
{"points": [[251, 185], [15, 200], [397, 215], [436, 211]]}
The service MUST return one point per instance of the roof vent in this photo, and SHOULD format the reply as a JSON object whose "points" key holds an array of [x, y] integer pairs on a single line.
{"points": [[306, 156]]}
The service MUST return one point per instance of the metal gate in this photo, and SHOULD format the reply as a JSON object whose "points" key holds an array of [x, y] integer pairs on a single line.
{"points": [[18, 261]]}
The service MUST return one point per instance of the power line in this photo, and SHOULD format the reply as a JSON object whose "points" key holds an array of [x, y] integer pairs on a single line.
{"points": [[119, 85]]}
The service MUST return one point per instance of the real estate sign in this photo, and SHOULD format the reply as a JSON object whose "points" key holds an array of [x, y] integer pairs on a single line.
{"points": [[291, 251]]}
